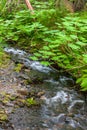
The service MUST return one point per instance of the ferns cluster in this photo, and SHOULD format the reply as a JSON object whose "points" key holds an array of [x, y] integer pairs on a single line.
{"points": [[53, 36]]}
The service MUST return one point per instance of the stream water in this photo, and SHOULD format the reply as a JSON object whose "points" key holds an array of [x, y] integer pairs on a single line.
{"points": [[63, 107]]}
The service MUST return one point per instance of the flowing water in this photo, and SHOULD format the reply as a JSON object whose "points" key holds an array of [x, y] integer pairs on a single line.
{"points": [[63, 107]]}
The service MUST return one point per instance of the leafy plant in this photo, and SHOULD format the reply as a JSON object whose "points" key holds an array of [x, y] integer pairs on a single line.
{"points": [[31, 101], [83, 80], [53, 36]]}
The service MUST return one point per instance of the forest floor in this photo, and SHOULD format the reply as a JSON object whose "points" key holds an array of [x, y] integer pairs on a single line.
{"points": [[13, 92], [10, 87]]}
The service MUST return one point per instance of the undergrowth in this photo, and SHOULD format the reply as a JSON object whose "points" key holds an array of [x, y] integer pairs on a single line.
{"points": [[53, 36]]}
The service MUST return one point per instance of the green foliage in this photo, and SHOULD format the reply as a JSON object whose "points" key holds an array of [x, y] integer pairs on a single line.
{"points": [[83, 80], [18, 67], [54, 37], [31, 101], [9, 7]]}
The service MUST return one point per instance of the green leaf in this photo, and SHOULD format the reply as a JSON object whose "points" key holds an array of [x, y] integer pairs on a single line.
{"points": [[48, 53], [46, 63], [45, 57], [84, 83], [33, 58], [73, 36], [15, 38], [79, 80], [81, 43], [1, 39], [85, 58], [85, 70], [46, 48], [84, 89], [73, 46], [37, 54], [54, 46], [56, 58]]}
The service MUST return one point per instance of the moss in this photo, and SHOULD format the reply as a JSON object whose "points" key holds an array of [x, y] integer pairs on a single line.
{"points": [[28, 81], [4, 58], [3, 115], [31, 102], [18, 67], [5, 100], [12, 98]]}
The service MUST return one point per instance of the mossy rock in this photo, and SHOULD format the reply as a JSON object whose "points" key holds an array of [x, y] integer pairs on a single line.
{"points": [[6, 98], [5, 101], [3, 115], [20, 102], [4, 59], [32, 102], [18, 67], [12, 98]]}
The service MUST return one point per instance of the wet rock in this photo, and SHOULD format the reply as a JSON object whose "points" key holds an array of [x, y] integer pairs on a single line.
{"points": [[37, 80], [76, 106], [23, 92], [59, 119], [70, 114], [32, 93], [9, 109], [24, 76], [43, 98], [68, 119], [67, 81], [10, 104], [1, 129], [20, 102], [28, 86], [13, 97], [39, 94]]}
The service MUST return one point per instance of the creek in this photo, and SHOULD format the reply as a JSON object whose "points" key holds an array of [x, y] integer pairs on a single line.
{"points": [[63, 108]]}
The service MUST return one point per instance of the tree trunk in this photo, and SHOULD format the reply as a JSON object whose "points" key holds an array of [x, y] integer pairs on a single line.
{"points": [[29, 5]]}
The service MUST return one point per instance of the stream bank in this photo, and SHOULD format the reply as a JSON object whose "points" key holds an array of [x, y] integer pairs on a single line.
{"points": [[38, 98]]}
